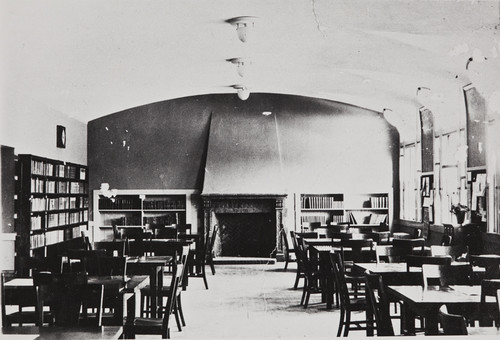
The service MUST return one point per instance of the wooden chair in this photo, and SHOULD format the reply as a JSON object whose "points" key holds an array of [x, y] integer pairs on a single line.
{"points": [[86, 260], [452, 324], [404, 247], [307, 234], [198, 262], [358, 250], [417, 261], [348, 304], [164, 292], [489, 313], [21, 300], [287, 251], [312, 276], [210, 249], [447, 275], [65, 294], [166, 232], [184, 228], [300, 265], [158, 326], [490, 263], [379, 303], [341, 236]]}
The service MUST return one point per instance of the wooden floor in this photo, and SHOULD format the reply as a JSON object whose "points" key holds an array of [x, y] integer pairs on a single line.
{"points": [[253, 302]]}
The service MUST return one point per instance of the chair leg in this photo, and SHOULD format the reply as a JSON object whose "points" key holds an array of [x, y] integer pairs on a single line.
{"points": [[181, 313], [286, 263], [341, 322], [303, 295], [212, 266], [177, 318], [204, 277], [347, 323], [296, 280]]}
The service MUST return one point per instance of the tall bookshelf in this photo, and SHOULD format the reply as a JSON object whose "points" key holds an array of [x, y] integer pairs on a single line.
{"points": [[130, 208], [52, 203], [369, 209]]}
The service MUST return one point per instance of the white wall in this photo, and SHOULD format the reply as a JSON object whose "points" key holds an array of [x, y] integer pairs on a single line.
{"points": [[30, 127]]}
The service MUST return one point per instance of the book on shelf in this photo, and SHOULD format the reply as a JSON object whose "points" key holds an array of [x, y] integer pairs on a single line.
{"points": [[377, 218], [352, 219]]}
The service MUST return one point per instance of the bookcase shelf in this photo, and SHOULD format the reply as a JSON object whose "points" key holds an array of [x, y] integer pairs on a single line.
{"points": [[368, 209], [51, 205], [141, 208]]}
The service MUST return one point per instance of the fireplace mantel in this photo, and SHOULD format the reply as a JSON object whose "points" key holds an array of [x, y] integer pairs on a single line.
{"points": [[214, 204]]}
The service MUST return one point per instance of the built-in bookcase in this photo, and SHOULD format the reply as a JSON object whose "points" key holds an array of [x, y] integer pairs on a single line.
{"points": [[356, 209], [130, 208], [52, 203]]}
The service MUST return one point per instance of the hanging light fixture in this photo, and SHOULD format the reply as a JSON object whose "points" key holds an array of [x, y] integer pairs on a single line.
{"points": [[241, 65], [243, 25], [242, 90]]}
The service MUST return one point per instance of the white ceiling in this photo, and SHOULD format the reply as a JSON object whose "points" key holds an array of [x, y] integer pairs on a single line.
{"points": [[92, 58]]}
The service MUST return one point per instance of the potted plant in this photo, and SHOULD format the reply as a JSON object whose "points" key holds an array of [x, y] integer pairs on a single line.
{"points": [[459, 210]]}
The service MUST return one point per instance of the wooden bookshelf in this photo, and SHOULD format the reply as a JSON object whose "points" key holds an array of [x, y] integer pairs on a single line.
{"points": [[130, 208], [357, 209], [52, 203]]}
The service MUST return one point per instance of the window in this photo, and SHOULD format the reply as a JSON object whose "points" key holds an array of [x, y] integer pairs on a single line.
{"points": [[409, 166]]}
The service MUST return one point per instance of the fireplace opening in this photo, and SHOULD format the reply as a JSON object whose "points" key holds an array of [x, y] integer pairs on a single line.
{"points": [[247, 234]]}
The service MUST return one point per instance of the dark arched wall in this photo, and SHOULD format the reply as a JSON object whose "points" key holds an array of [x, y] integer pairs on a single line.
{"points": [[220, 144]]}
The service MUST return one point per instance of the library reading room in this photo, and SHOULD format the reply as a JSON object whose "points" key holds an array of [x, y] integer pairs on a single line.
{"points": [[249, 169]]}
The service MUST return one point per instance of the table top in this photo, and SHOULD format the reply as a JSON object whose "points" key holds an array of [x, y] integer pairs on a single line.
{"points": [[436, 296], [75, 333], [158, 260], [132, 283], [382, 268]]}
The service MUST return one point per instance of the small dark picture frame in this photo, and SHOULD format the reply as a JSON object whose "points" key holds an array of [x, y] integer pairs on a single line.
{"points": [[61, 136]]}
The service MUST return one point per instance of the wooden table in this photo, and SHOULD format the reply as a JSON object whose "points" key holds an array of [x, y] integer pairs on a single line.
{"points": [[425, 302], [152, 266], [126, 292], [51, 333]]}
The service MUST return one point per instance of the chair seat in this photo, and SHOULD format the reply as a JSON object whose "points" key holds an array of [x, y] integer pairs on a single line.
{"points": [[28, 317], [148, 322], [147, 291], [358, 304]]}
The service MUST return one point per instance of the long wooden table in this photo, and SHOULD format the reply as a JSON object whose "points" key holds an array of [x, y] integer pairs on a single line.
{"points": [[126, 291], [425, 301], [51, 333]]}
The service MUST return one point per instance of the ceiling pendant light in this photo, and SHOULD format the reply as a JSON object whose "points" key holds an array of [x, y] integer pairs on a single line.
{"points": [[241, 65], [242, 90], [243, 25]]}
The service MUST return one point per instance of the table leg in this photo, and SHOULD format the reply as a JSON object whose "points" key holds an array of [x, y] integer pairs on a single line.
{"points": [[407, 320], [431, 323]]}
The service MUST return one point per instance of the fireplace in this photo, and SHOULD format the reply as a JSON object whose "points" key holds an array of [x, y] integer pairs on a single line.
{"points": [[248, 224]]}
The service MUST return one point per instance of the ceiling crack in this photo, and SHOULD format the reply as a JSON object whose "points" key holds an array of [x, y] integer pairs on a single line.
{"points": [[318, 24]]}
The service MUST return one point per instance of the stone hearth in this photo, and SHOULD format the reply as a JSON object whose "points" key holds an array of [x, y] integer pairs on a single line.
{"points": [[244, 222]]}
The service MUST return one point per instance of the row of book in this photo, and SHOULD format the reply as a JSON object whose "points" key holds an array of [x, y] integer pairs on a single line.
{"points": [[59, 203], [53, 237], [119, 203], [379, 202], [60, 219], [164, 204], [367, 219], [323, 219], [58, 170], [321, 202], [39, 185], [169, 219], [126, 220]]}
